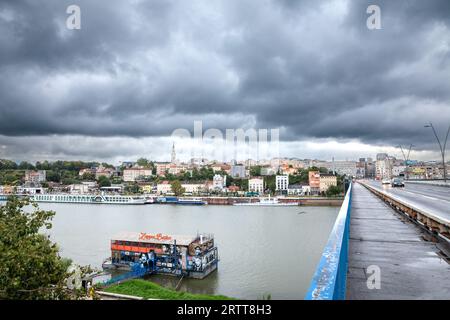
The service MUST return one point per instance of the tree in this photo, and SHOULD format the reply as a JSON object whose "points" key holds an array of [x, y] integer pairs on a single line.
{"points": [[24, 165], [7, 164], [88, 176], [177, 189], [255, 171], [270, 182], [104, 181], [323, 170], [132, 188], [333, 191], [11, 177], [143, 162], [69, 181], [30, 267]]}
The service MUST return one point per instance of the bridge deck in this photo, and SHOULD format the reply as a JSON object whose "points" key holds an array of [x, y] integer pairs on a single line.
{"points": [[411, 267]]}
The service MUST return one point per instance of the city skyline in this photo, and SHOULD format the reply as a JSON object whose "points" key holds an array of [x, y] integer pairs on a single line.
{"points": [[185, 156]]}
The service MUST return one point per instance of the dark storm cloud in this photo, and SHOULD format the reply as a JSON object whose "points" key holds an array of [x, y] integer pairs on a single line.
{"points": [[145, 68]]}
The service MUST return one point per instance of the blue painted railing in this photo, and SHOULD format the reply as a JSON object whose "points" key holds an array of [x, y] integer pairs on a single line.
{"points": [[329, 280]]}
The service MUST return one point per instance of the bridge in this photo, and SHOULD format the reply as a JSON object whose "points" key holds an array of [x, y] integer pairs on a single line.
{"points": [[387, 243]]}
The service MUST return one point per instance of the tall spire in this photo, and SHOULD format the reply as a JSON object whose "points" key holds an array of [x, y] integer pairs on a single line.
{"points": [[174, 155]]}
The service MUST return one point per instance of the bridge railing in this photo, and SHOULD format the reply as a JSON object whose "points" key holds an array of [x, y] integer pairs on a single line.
{"points": [[329, 280]]}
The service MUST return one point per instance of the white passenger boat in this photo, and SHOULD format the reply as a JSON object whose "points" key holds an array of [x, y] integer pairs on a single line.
{"points": [[267, 202], [88, 198]]}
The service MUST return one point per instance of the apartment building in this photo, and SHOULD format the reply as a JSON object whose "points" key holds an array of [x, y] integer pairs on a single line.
{"points": [[256, 185]]}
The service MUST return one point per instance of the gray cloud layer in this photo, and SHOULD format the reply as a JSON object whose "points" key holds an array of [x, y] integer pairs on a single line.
{"points": [[145, 68]]}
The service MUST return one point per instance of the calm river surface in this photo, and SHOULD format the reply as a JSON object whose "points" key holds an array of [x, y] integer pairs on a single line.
{"points": [[262, 250]]}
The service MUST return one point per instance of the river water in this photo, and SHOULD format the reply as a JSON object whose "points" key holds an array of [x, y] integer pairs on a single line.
{"points": [[262, 250]]}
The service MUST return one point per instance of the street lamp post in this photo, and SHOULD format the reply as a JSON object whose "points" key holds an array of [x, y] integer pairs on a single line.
{"points": [[441, 147], [406, 157]]}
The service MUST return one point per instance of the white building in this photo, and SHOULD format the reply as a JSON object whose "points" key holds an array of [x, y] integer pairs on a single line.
{"points": [[326, 181], [132, 174], [164, 187], [383, 166], [299, 190], [281, 183], [348, 168], [35, 177], [219, 182], [79, 188], [256, 185], [193, 188], [83, 188], [31, 190]]}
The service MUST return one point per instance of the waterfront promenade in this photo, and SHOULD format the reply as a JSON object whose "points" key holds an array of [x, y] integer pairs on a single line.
{"points": [[411, 267]]}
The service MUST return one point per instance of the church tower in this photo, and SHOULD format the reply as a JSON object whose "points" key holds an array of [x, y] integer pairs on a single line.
{"points": [[174, 155]]}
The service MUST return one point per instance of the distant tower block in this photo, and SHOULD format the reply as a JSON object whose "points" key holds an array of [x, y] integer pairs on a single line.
{"points": [[174, 155]]}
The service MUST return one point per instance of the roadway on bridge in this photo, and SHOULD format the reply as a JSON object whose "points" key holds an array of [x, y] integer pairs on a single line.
{"points": [[431, 199], [410, 266]]}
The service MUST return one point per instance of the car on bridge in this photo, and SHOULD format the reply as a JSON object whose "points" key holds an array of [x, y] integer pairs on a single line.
{"points": [[397, 182]]}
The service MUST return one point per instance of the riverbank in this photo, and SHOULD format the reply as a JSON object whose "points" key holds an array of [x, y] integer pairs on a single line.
{"points": [[302, 201], [149, 290], [227, 201]]}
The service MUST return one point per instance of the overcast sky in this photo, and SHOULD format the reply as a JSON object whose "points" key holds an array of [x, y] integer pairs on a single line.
{"points": [[137, 70]]}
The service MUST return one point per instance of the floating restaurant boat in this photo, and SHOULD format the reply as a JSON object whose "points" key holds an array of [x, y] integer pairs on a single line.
{"points": [[267, 202], [179, 255], [88, 198]]}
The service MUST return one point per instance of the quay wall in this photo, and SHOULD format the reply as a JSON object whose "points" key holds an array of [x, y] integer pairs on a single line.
{"points": [[317, 201]]}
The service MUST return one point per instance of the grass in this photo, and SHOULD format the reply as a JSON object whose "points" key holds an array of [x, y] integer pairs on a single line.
{"points": [[150, 290]]}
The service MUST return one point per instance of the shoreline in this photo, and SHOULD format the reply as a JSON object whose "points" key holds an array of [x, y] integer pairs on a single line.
{"points": [[228, 201]]}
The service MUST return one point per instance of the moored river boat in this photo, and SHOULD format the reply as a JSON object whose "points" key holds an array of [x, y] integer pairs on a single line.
{"points": [[179, 255]]}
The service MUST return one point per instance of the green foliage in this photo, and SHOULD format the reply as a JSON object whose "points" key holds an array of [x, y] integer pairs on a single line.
{"points": [[241, 183], [177, 189], [69, 181], [143, 162], [255, 171], [104, 181], [53, 176], [24, 165], [7, 164], [202, 174], [333, 191], [150, 290], [116, 180], [301, 177], [88, 176], [58, 171], [132, 188], [30, 267], [270, 182], [11, 177]]}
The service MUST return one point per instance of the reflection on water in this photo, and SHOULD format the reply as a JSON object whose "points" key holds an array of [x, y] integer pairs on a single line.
{"points": [[262, 250]]}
